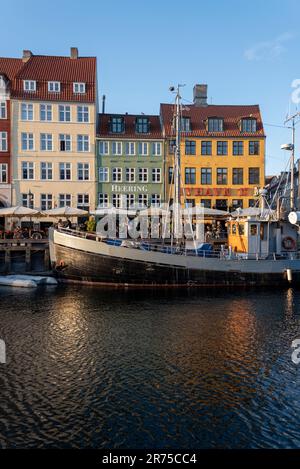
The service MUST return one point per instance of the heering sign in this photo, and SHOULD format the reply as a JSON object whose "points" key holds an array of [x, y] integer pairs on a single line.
{"points": [[128, 188]]}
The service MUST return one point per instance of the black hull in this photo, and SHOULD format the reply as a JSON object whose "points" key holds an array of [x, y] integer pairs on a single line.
{"points": [[79, 266]]}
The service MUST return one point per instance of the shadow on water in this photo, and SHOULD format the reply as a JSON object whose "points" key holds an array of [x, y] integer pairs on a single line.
{"points": [[105, 368]]}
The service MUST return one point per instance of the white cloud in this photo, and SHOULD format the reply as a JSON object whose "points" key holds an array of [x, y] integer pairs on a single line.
{"points": [[268, 50]]}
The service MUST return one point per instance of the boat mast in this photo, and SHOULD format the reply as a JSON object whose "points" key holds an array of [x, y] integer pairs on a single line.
{"points": [[292, 191]]}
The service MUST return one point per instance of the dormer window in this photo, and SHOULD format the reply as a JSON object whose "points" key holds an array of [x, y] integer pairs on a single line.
{"points": [[117, 125], [54, 86], [248, 125], [29, 85], [215, 124], [142, 125], [79, 88], [185, 124]]}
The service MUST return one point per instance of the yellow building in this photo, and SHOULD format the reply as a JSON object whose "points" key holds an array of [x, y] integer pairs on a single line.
{"points": [[53, 123], [222, 152]]}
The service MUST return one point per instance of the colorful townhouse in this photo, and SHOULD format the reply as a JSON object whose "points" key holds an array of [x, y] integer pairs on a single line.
{"points": [[53, 117], [130, 160], [222, 152], [8, 69]]}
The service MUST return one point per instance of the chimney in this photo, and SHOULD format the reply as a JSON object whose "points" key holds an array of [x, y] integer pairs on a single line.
{"points": [[200, 95], [74, 53], [26, 55], [103, 104]]}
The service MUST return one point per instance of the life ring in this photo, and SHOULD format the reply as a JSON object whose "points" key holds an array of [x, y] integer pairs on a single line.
{"points": [[288, 243]]}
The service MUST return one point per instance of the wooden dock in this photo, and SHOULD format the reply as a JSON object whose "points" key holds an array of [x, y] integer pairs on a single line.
{"points": [[24, 255]]}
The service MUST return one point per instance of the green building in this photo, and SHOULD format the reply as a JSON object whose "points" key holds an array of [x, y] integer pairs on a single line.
{"points": [[130, 161]]}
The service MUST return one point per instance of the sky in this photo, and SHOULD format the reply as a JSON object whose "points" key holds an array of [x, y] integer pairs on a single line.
{"points": [[247, 52]]}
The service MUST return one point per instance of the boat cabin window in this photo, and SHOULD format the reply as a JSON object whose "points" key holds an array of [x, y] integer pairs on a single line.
{"points": [[241, 230], [228, 229], [234, 229], [253, 230], [263, 232]]}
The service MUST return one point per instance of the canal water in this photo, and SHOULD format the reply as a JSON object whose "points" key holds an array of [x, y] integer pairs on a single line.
{"points": [[112, 369]]}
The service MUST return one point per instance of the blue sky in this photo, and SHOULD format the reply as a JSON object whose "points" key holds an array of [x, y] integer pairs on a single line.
{"points": [[247, 52]]}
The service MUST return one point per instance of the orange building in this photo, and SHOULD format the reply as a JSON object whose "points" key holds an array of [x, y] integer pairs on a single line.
{"points": [[222, 152]]}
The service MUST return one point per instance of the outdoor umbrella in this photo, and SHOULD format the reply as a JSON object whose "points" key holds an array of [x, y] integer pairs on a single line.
{"points": [[112, 211], [19, 211], [253, 212], [65, 212], [207, 212]]}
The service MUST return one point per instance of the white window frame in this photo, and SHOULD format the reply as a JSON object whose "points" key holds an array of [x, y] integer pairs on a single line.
{"points": [[67, 138], [130, 200], [48, 199], [156, 175], [29, 139], [130, 174], [84, 203], [29, 167], [129, 148], [79, 87], [155, 200], [103, 174], [64, 110], [105, 145], [64, 197], [116, 175], [3, 106], [144, 197], [143, 146], [48, 168], [118, 146], [29, 85], [3, 173], [83, 114], [84, 169], [155, 147], [105, 200], [27, 109], [117, 200], [143, 175], [47, 110], [3, 142], [65, 166], [28, 199], [48, 142], [85, 139], [55, 85]]}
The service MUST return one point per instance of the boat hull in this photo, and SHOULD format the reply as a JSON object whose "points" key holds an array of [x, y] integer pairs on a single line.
{"points": [[82, 260]]}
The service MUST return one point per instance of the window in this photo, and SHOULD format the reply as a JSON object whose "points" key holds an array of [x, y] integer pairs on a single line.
{"points": [[103, 200], [54, 86], [155, 200], [103, 174], [117, 200], [185, 124], [253, 175], [29, 85], [3, 113], [27, 170], [237, 176], [46, 171], [190, 175], [82, 114], [117, 174], [248, 125], [27, 141], [26, 112], [190, 147], [3, 141], [130, 174], [65, 142], [64, 113], [238, 203], [206, 203], [83, 143], [64, 200], [206, 147], [117, 125], [206, 176], [46, 142], [46, 201], [222, 148], [79, 88], [130, 148], [221, 176], [238, 148], [103, 148], [143, 148], [253, 148], [130, 200], [189, 203], [221, 204], [142, 125], [46, 112], [215, 125], [143, 174], [142, 200], [117, 148], [170, 175], [156, 148], [65, 171], [172, 147], [28, 200], [83, 201], [83, 171], [156, 175], [3, 172], [251, 203]]}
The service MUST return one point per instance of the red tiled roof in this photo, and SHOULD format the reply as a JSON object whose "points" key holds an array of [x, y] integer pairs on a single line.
{"points": [[231, 114], [129, 121], [10, 67], [53, 68]]}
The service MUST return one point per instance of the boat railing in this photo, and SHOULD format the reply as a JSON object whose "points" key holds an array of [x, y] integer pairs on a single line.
{"points": [[224, 254]]}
